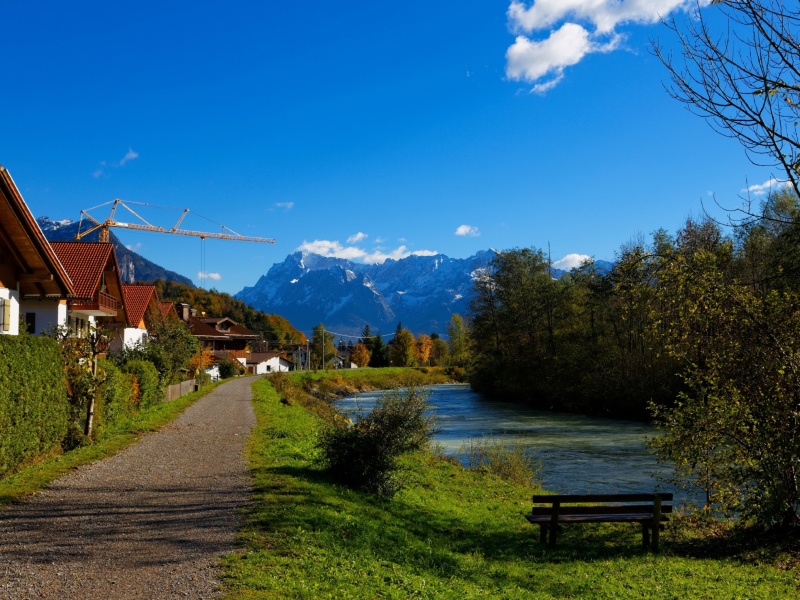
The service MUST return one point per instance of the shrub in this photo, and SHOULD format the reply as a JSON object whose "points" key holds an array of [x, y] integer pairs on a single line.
{"points": [[512, 463], [115, 400], [151, 391], [33, 399], [364, 456], [227, 369]]}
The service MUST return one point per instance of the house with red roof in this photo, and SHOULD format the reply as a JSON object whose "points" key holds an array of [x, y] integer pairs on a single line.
{"points": [[98, 298], [220, 334], [141, 301], [34, 286]]}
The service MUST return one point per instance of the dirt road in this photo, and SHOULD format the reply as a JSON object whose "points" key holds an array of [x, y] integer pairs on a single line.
{"points": [[150, 522]]}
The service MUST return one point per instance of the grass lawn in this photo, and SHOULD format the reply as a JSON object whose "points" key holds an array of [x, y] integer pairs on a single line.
{"points": [[449, 533]]}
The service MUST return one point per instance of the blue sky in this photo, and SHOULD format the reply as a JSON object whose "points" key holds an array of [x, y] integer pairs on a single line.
{"points": [[359, 129]]}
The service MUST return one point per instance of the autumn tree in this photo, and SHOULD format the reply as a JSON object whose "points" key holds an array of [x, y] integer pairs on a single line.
{"points": [[360, 355], [402, 352], [423, 349]]}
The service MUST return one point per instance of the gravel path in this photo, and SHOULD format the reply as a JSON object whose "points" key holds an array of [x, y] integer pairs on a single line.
{"points": [[150, 522]]}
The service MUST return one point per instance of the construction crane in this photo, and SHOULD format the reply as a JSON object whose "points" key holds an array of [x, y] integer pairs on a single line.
{"points": [[103, 226]]}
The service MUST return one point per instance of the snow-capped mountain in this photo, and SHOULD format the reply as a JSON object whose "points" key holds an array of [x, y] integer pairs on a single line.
{"points": [[133, 267], [422, 292]]}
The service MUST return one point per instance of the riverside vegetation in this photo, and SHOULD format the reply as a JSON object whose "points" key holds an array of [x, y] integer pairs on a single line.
{"points": [[449, 531]]}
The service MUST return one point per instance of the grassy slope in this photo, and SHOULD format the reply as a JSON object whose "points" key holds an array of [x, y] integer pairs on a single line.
{"points": [[33, 478], [449, 533]]}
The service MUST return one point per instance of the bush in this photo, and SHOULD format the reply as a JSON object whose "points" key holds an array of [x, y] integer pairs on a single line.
{"points": [[514, 463], [116, 397], [364, 456], [227, 369], [33, 399], [150, 390]]}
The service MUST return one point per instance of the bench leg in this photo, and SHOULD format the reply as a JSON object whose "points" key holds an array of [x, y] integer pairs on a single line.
{"points": [[645, 536], [553, 535], [543, 533]]}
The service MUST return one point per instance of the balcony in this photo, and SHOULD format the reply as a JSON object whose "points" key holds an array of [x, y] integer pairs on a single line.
{"points": [[102, 305]]}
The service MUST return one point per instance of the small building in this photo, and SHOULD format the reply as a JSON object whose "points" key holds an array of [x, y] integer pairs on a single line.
{"points": [[140, 301], [260, 363], [34, 286]]}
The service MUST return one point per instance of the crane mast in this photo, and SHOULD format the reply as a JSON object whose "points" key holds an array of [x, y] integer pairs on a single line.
{"points": [[104, 226]]}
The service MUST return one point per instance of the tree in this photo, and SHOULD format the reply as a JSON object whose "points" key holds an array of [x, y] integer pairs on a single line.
{"points": [[735, 429], [440, 353], [170, 346], [402, 352], [379, 355], [458, 341], [744, 80], [423, 349], [367, 337], [360, 355], [323, 351]]}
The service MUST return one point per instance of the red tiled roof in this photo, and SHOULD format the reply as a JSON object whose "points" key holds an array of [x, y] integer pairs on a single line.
{"points": [[85, 263], [166, 308], [137, 299]]}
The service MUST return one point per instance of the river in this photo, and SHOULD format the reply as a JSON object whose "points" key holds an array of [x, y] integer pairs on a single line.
{"points": [[578, 454]]}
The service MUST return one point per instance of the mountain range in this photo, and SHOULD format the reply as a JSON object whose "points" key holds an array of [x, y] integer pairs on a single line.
{"points": [[421, 292]]}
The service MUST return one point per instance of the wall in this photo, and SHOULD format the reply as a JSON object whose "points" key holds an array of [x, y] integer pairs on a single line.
{"points": [[49, 313], [11, 296]]}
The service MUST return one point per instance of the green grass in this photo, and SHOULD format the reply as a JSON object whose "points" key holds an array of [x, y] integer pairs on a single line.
{"points": [[35, 477], [449, 533]]}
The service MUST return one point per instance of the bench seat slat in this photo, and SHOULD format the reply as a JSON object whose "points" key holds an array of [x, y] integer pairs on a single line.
{"points": [[595, 518]]}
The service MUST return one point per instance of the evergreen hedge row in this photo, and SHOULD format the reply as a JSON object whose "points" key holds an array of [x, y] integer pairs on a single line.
{"points": [[33, 399]]}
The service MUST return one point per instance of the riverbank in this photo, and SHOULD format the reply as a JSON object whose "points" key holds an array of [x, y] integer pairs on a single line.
{"points": [[448, 533]]}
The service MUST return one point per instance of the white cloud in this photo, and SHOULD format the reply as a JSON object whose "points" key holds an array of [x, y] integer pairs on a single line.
{"points": [[287, 206], [760, 189], [467, 230], [134, 247], [396, 254], [214, 276], [571, 261], [356, 237], [129, 156], [586, 27], [334, 249]]}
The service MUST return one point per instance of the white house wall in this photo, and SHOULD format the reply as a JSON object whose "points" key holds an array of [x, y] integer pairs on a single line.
{"points": [[12, 297], [49, 314]]}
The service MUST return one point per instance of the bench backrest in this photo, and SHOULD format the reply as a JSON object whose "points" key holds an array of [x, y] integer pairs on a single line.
{"points": [[584, 498], [601, 504]]}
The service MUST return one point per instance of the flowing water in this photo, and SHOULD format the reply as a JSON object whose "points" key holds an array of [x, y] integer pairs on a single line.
{"points": [[578, 454]]}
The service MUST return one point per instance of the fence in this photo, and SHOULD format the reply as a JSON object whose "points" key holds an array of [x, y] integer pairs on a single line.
{"points": [[177, 390]]}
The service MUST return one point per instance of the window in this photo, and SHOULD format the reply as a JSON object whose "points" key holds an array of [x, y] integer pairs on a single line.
{"points": [[30, 322], [5, 315]]}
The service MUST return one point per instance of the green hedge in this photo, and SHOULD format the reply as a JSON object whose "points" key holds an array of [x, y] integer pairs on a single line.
{"points": [[115, 401], [150, 391], [33, 399]]}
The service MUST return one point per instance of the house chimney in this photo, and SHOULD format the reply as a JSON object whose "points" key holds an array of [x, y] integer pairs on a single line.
{"points": [[183, 310]]}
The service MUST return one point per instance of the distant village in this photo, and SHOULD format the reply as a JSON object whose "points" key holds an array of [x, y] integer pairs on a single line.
{"points": [[75, 287]]}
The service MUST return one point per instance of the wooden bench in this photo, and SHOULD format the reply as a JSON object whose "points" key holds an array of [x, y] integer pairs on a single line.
{"points": [[650, 510]]}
